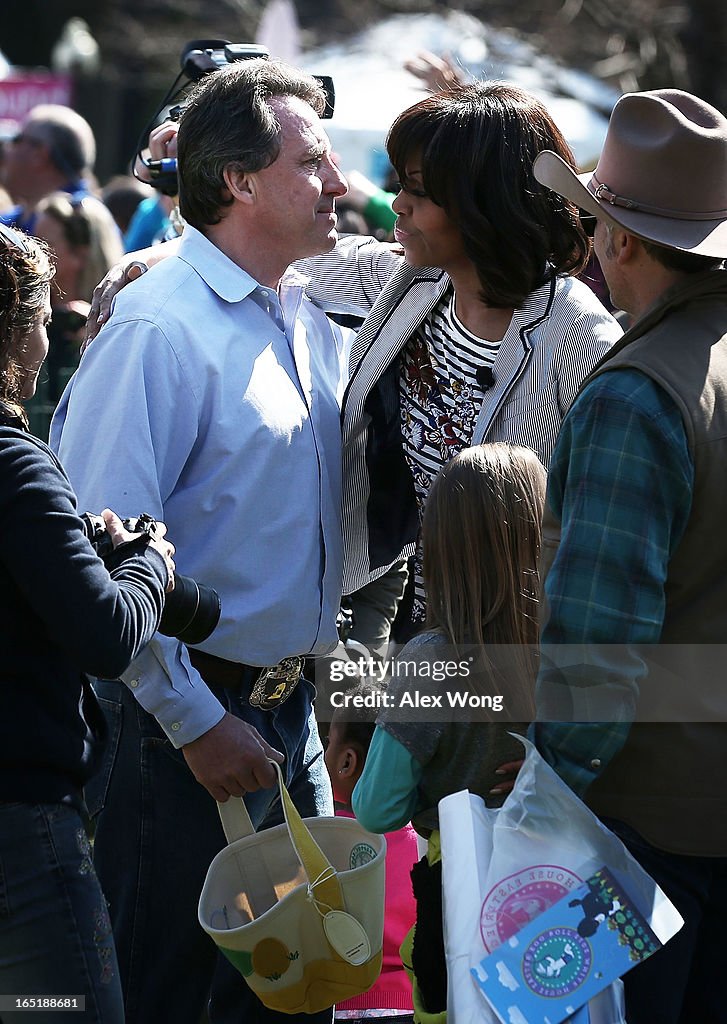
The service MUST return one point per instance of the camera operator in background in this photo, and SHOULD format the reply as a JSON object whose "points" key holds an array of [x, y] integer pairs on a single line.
{"points": [[62, 615], [215, 386], [156, 218]]}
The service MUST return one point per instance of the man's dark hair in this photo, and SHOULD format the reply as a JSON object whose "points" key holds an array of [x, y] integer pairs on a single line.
{"points": [[228, 121], [683, 262], [476, 144]]}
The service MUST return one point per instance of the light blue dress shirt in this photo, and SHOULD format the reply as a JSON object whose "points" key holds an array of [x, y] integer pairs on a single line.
{"points": [[211, 402]]}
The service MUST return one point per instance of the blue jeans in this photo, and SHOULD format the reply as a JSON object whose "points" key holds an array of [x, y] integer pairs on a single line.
{"points": [[682, 983], [55, 933], [157, 831]]}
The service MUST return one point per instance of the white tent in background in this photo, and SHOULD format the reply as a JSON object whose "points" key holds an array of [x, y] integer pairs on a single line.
{"points": [[278, 30], [372, 87]]}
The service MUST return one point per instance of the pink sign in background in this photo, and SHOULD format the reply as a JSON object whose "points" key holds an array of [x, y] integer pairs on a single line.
{"points": [[20, 92]]}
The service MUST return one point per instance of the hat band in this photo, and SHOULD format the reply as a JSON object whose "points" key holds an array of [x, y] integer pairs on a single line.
{"points": [[604, 194]]}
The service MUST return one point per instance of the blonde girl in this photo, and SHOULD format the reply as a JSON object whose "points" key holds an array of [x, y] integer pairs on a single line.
{"points": [[469, 676]]}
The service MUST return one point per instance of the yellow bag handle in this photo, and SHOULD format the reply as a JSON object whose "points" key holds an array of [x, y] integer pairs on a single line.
{"points": [[322, 877]]}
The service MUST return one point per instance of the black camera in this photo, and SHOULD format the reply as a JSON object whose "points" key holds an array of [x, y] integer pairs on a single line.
{"points": [[344, 621], [200, 57], [191, 610]]}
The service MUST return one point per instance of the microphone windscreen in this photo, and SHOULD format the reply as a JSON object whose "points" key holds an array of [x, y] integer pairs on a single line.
{"points": [[485, 377]]}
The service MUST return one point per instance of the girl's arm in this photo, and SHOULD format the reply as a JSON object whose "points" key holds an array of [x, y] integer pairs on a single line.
{"points": [[386, 796]]}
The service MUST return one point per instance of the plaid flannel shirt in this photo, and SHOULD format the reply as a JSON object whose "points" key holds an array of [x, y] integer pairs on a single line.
{"points": [[620, 484]]}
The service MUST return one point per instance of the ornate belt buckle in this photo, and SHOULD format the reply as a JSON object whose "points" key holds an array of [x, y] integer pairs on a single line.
{"points": [[275, 684]]}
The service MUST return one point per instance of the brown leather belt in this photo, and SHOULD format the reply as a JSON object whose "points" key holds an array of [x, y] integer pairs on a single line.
{"points": [[224, 675], [263, 688]]}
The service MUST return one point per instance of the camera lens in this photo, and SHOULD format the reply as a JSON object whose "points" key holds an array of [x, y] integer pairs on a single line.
{"points": [[191, 611]]}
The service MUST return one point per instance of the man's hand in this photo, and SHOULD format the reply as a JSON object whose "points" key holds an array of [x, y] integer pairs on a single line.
{"points": [[231, 759], [437, 73], [162, 144]]}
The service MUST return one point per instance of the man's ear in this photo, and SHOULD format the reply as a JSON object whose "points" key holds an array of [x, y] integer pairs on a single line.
{"points": [[240, 184], [627, 246]]}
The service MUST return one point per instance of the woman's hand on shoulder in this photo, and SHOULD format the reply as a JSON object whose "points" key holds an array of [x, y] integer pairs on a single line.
{"points": [[128, 269]]}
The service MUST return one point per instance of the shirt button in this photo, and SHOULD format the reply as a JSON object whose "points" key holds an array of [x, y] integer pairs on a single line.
{"points": [[176, 726], [596, 763], [134, 683]]}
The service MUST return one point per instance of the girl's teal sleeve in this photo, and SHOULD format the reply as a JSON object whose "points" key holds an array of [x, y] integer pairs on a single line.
{"points": [[386, 796]]}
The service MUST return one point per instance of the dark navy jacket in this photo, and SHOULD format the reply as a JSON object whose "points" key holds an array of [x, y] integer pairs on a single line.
{"points": [[61, 616]]}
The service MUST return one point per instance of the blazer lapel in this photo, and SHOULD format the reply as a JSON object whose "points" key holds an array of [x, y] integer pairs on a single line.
{"points": [[406, 300]]}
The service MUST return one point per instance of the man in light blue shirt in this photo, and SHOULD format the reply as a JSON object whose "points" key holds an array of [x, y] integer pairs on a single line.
{"points": [[215, 386]]}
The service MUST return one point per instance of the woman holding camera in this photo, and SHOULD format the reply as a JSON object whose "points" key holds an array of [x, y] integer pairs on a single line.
{"points": [[62, 614]]}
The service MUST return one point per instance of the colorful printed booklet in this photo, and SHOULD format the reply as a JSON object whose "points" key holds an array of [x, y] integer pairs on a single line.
{"points": [[545, 973]]}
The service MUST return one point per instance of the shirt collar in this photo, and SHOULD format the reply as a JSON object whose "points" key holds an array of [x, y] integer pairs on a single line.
{"points": [[230, 282]]}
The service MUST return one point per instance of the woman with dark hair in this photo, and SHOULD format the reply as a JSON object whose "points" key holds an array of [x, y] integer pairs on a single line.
{"points": [[480, 333], [62, 615]]}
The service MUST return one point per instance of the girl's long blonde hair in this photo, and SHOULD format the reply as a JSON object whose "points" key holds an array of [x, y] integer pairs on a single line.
{"points": [[90, 229], [481, 544]]}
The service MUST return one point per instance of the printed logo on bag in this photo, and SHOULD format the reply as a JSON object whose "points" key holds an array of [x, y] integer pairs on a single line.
{"points": [[271, 959], [519, 898], [361, 854], [557, 962]]}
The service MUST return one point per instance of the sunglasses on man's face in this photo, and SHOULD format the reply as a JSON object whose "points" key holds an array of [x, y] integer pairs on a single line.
{"points": [[588, 222]]}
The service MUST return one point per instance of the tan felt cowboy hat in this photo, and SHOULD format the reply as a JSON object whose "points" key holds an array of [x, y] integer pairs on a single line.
{"points": [[662, 174]]}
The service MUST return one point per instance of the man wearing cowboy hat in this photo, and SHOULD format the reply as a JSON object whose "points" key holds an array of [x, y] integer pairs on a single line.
{"points": [[635, 540]]}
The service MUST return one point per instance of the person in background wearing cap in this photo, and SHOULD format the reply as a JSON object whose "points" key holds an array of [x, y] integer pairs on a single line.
{"points": [[635, 548], [54, 151]]}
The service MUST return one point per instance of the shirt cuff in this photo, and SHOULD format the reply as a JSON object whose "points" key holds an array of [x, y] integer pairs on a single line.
{"points": [[182, 704]]}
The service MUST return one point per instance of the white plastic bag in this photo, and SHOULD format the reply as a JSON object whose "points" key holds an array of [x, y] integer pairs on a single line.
{"points": [[501, 868]]}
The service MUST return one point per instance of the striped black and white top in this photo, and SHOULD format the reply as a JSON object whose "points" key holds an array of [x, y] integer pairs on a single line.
{"points": [[439, 400], [554, 340]]}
